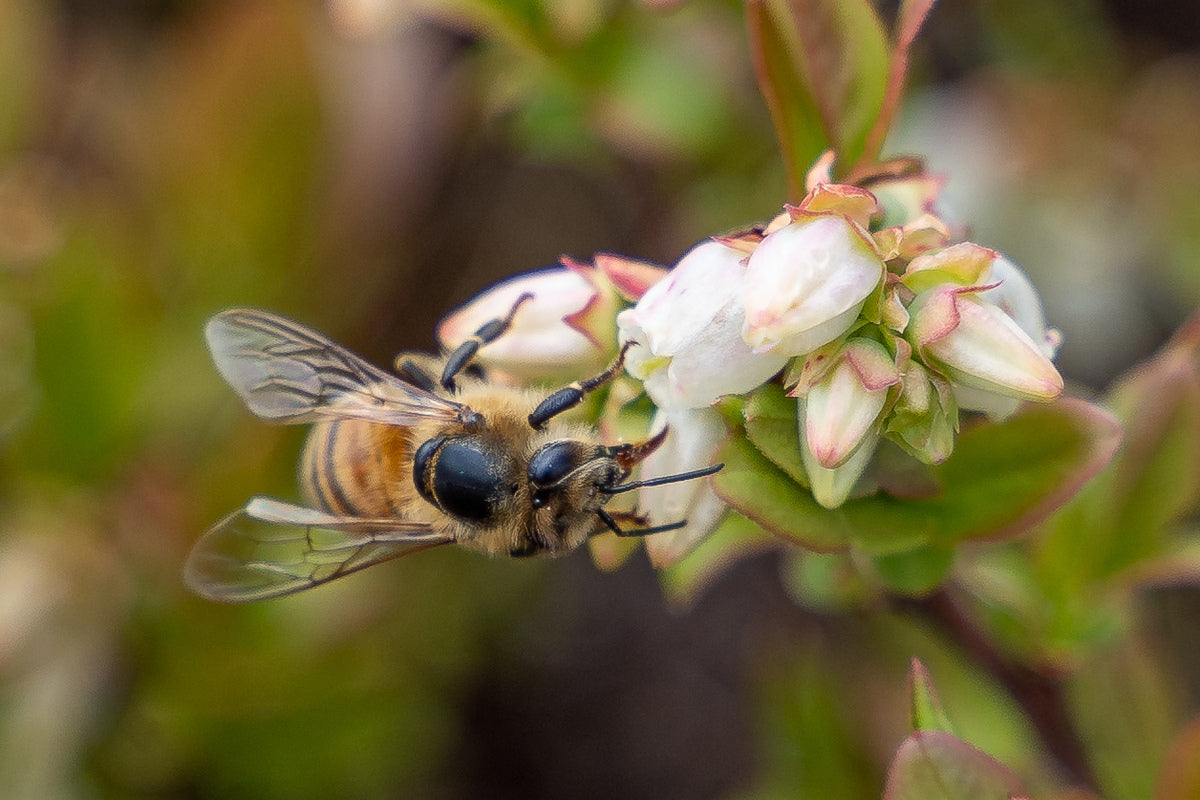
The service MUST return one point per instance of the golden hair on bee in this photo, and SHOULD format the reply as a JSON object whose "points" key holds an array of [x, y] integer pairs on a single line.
{"points": [[398, 463]]}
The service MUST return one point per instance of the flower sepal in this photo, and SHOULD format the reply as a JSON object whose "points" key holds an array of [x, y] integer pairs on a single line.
{"points": [[964, 264], [924, 419], [854, 204]]}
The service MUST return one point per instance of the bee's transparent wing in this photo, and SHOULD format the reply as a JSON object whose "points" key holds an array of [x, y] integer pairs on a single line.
{"points": [[270, 548], [287, 372]]}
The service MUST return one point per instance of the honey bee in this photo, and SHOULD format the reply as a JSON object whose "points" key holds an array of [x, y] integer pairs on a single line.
{"points": [[398, 463]]}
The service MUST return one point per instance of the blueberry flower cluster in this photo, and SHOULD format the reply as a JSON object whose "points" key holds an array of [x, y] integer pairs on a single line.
{"points": [[878, 326]]}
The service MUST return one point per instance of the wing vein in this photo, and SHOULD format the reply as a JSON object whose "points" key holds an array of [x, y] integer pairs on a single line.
{"points": [[270, 548], [288, 373]]}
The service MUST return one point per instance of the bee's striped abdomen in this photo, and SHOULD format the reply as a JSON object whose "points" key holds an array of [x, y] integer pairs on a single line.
{"points": [[355, 468]]}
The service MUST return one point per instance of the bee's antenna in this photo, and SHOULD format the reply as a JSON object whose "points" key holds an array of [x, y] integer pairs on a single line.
{"points": [[683, 476]]}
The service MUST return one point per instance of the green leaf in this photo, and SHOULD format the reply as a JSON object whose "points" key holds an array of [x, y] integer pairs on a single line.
{"points": [[924, 706], [933, 765], [881, 524], [755, 487], [1124, 526], [915, 572], [1155, 480], [909, 20], [792, 107], [771, 424], [1003, 479], [822, 67]]}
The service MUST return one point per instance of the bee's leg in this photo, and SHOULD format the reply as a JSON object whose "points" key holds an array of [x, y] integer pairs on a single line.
{"points": [[412, 372], [488, 332], [568, 397], [611, 522]]}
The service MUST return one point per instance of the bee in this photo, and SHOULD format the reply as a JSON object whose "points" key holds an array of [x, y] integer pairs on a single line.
{"points": [[399, 463]]}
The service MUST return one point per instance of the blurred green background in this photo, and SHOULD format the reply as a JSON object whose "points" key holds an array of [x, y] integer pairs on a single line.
{"points": [[364, 166]]}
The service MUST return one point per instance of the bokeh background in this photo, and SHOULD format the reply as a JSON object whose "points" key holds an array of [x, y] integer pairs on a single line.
{"points": [[366, 165]]}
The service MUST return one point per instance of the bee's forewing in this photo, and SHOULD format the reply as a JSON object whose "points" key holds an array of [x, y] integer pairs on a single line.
{"points": [[270, 548], [286, 372]]}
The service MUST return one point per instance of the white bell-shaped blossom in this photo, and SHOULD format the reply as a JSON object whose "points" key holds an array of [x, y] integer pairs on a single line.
{"points": [[1014, 294], [691, 444], [565, 329], [688, 327], [806, 283]]}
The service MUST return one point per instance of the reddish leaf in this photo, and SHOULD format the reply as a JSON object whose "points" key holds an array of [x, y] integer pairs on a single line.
{"points": [[931, 765], [822, 68], [1156, 477], [793, 109], [911, 17], [1124, 521]]}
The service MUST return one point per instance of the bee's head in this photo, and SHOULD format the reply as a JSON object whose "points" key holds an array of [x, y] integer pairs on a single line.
{"points": [[583, 473], [570, 469], [570, 481]]}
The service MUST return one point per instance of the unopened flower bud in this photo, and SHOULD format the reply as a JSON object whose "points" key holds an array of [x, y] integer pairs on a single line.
{"points": [[832, 486], [843, 407], [977, 345], [1016, 296], [924, 419]]}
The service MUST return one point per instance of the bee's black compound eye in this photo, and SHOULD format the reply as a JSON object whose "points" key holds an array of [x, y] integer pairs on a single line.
{"points": [[461, 476], [552, 462], [423, 468]]}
